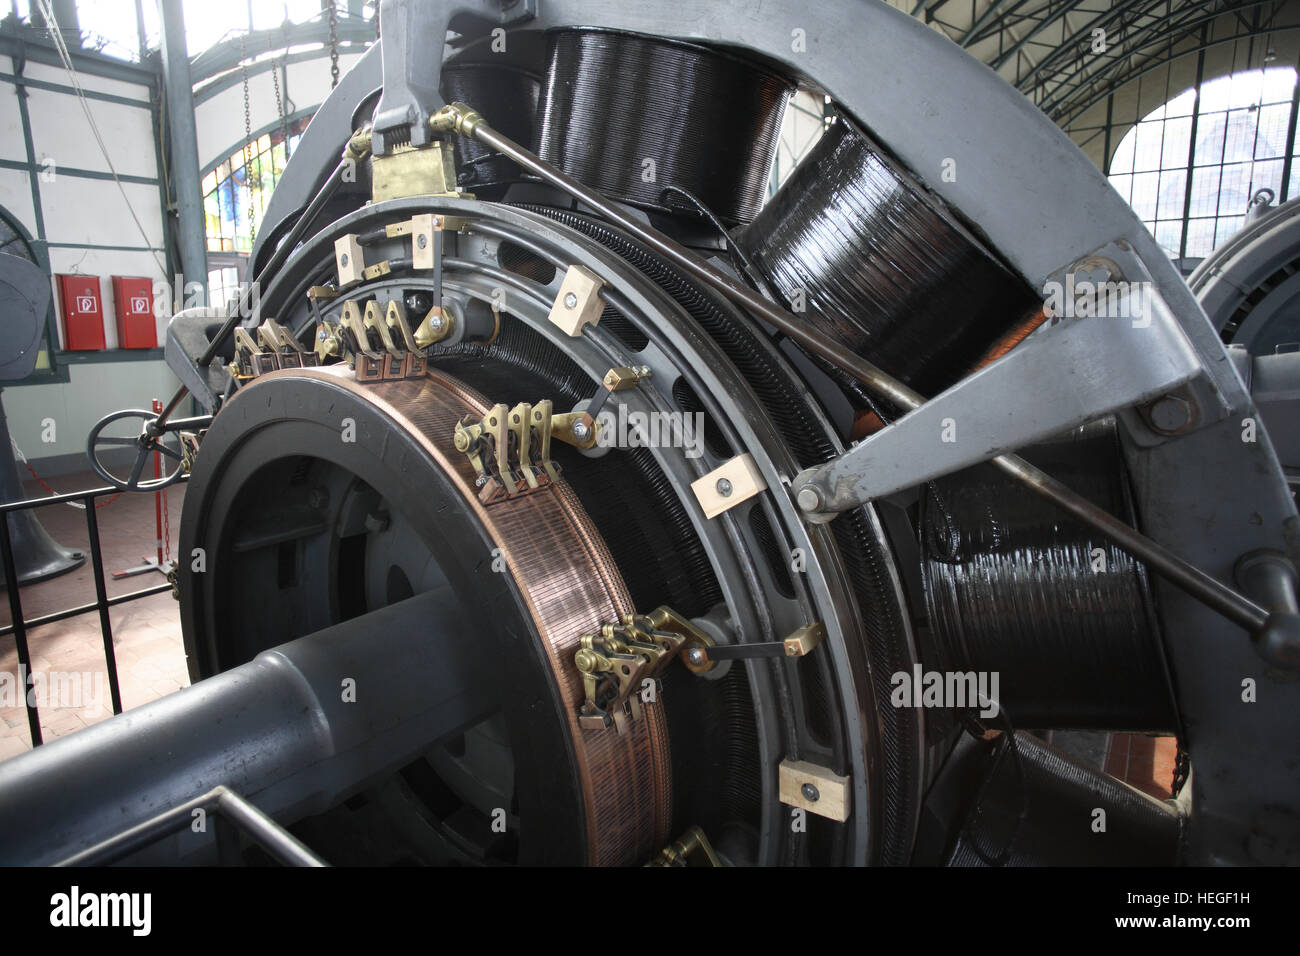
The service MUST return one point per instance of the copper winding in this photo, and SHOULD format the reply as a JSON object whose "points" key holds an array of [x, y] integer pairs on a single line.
{"points": [[866, 422], [1011, 339], [571, 586]]}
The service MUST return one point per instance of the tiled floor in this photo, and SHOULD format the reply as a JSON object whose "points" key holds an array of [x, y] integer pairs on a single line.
{"points": [[1143, 761], [68, 656]]}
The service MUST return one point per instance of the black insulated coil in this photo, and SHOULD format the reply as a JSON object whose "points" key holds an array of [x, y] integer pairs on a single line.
{"points": [[1037, 806], [872, 259], [631, 115], [1015, 586], [507, 97]]}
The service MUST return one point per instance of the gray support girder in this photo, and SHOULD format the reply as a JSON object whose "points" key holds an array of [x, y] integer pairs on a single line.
{"points": [[1075, 373], [185, 145], [286, 731]]}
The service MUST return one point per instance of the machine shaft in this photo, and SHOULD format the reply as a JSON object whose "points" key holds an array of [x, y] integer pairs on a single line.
{"points": [[295, 730]]}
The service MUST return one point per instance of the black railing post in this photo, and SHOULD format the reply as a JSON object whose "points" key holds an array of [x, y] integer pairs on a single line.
{"points": [[101, 601], [19, 626], [20, 630]]}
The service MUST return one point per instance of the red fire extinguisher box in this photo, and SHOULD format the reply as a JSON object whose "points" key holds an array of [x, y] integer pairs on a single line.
{"points": [[83, 312], [133, 299]]}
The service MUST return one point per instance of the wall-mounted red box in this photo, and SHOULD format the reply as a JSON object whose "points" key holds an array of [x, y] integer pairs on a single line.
{"points": [[133, 300], [83, 312]]}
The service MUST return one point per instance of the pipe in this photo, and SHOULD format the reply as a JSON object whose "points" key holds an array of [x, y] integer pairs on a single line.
{"points": [[185, 147], [297, 729]]}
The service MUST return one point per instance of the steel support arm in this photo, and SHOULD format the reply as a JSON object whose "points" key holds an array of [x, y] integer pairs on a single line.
{"points": [[1060, 378]]}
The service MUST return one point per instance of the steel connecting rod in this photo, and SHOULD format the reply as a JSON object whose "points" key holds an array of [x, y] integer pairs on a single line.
{"points": [[459, 118]]}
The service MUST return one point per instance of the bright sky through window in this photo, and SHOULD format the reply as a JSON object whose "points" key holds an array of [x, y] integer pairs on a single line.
{"points": [[1241, 125]]}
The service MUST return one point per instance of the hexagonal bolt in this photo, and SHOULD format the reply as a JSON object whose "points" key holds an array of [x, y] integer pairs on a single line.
{"points": [[1170, 414], [810, 793]]}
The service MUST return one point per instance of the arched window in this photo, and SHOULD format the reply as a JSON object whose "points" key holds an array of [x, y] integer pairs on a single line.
{"points": [[1189, 168], [235, 197]]}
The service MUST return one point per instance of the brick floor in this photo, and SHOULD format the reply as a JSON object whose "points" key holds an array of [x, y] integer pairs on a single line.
{"points": [[68, 656], [1144, 761]]}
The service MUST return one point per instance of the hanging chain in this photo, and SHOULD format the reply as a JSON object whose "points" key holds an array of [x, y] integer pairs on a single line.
{"points": [[334, 45], [248, 136], [279, 104]]}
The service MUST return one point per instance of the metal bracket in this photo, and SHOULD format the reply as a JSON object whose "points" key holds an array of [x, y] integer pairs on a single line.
{"points": [[410, 77], [806, 786], [691, 849], [578, 303], [616, 661], [274, 348], [352, 341], [350, 260], [428, 170], [1059, 378], [510, 448], [728, 485]]}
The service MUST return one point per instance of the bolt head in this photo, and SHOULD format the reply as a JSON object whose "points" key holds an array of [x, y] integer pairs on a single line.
{"points": [[421, 240], [343, 259], [571, 301], [810, 793], [437, 323], [695, 655], [1170, 413], [724, 487], [809, 498], [580, 431]]}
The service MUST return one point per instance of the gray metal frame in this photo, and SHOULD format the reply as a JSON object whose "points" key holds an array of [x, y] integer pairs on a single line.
{"points": [[1235, 270], [1207, 495]]}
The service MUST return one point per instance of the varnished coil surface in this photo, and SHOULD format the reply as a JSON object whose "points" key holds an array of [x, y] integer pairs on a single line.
{"points": [[507, 96], [878, 264], [1014, 585], [571, 587], [631, 114]]}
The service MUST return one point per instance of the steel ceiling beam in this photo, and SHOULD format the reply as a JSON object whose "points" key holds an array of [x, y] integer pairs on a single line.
{"points": [[1155, 65], [1054, 102], [1157, 21], [1069, 7]]}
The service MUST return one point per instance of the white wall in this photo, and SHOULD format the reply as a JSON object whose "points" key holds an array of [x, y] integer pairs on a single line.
{"points": [[82, 215], [95, 390], [220, 120]]}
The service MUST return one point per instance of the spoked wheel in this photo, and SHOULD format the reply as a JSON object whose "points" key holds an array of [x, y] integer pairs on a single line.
{"points": [[132, 429]]}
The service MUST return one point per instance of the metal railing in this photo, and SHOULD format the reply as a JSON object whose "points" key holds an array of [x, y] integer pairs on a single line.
{"points": [[246, 819], [20, 625]]}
